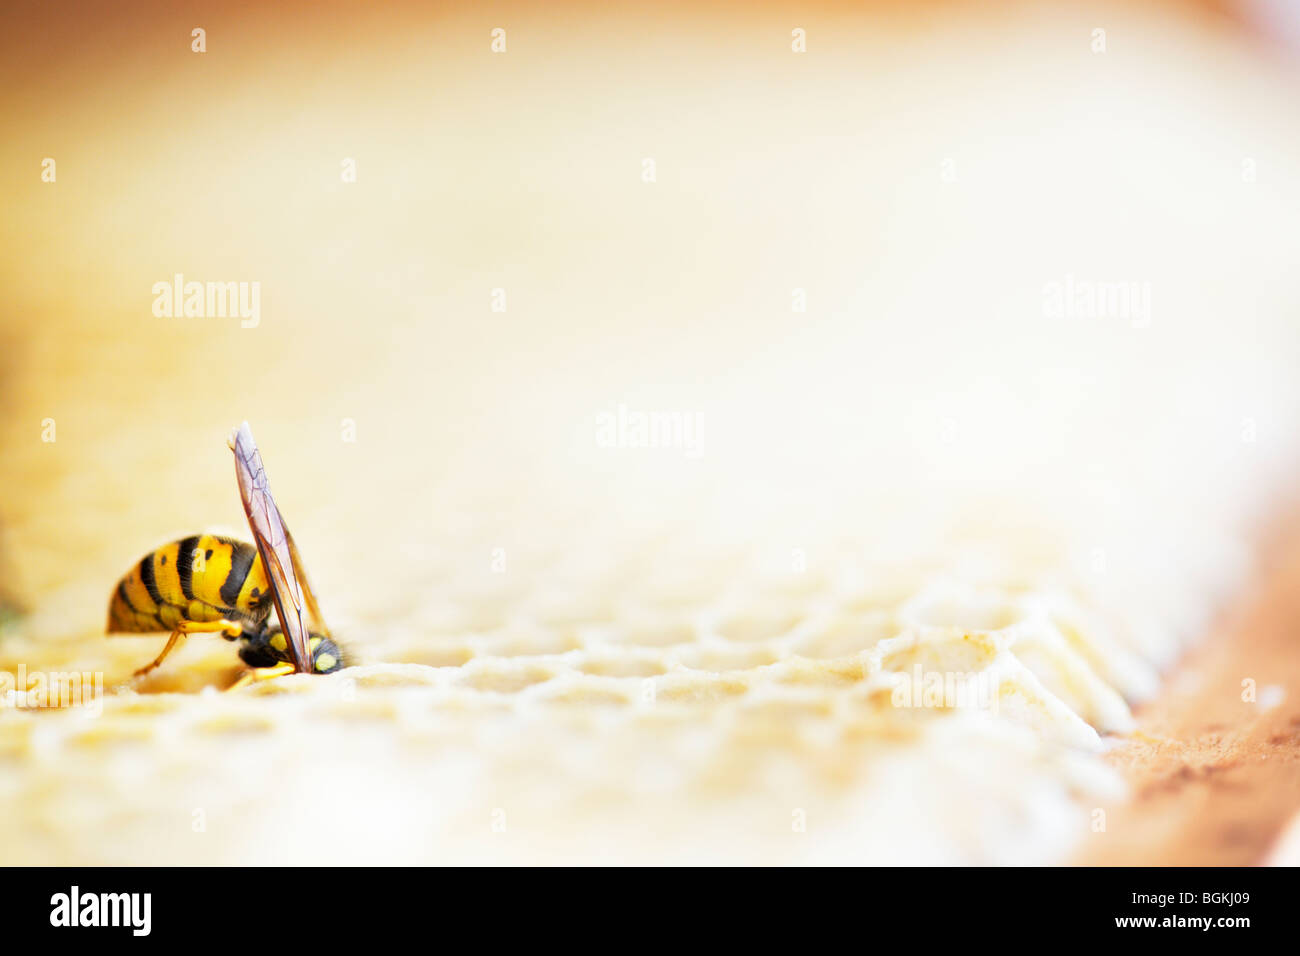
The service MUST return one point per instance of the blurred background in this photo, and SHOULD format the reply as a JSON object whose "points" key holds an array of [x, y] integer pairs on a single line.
{"points": [[999, 293]]}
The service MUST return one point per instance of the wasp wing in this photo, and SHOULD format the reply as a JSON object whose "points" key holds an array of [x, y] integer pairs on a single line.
{"points": [[275, 546], [316, 623]]}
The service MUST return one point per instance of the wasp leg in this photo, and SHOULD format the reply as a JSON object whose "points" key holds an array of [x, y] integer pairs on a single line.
{"points": [[183, 628], [261, 673]]}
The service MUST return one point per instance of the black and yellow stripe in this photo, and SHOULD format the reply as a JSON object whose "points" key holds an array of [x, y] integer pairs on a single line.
{"points": [[200, 578]]}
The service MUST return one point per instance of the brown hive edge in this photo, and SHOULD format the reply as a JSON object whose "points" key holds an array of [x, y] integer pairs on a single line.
{"points": [[1215, 779]]}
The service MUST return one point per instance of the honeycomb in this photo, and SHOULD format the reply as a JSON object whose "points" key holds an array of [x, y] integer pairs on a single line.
{"points": [[745, 708]]}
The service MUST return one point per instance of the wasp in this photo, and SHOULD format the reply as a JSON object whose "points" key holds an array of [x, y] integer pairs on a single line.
{"points": [[214, 584]]}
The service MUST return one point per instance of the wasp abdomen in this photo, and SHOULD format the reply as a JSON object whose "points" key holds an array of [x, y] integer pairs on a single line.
{"points": [[200, 578]]}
